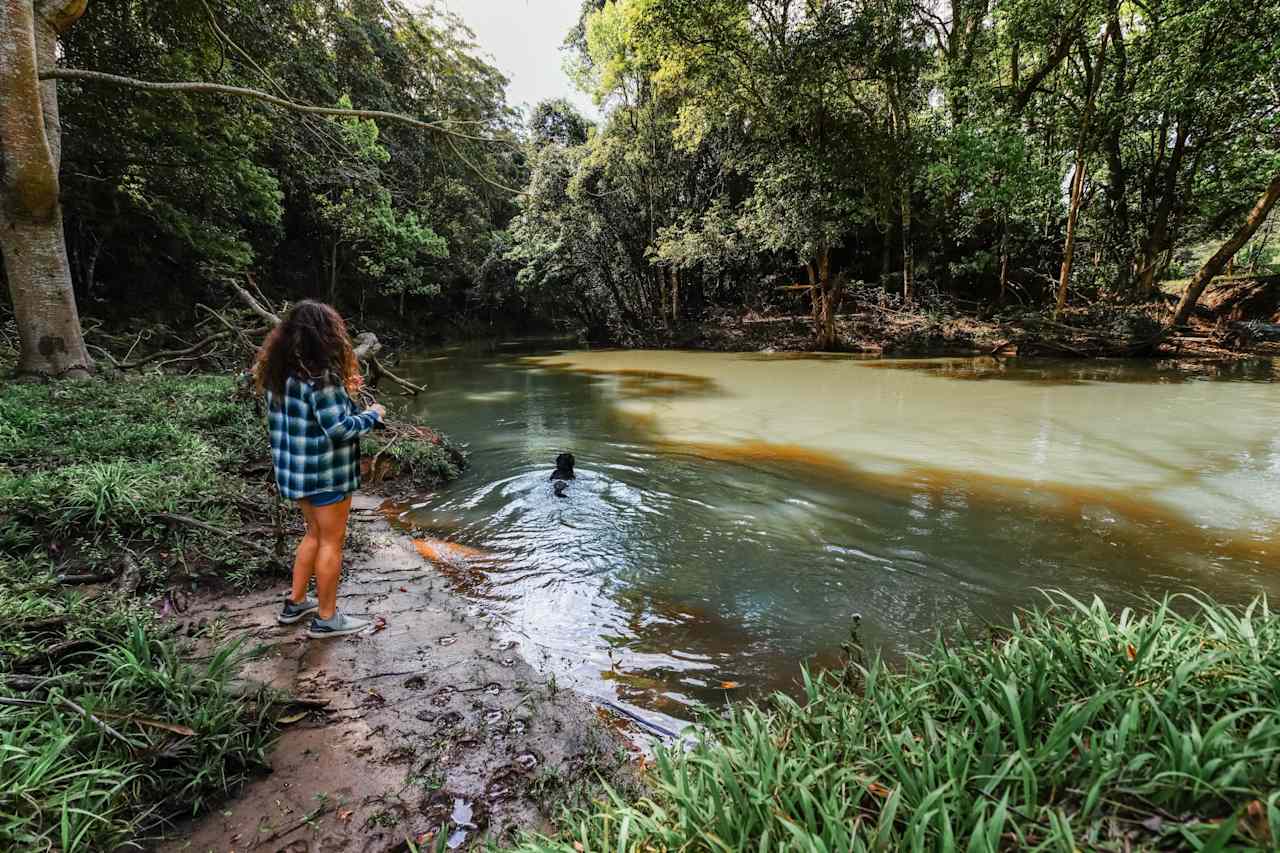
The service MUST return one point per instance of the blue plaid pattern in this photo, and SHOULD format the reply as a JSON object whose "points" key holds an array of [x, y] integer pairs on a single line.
{"points": [[315, 439]]}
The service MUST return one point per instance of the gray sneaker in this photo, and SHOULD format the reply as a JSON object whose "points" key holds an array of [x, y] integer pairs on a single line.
{"points": [[292, 611], [339, 625]]}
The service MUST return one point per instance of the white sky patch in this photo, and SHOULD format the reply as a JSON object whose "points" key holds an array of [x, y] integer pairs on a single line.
{"points": [[523, 38]]}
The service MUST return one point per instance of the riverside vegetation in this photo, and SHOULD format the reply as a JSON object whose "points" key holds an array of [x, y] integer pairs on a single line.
{"points": [[754, 161], [1077, 728], [158, 486], [751, 160]]}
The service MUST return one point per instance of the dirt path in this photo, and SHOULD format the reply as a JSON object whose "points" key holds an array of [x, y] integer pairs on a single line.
{"points": [[431, 724]]}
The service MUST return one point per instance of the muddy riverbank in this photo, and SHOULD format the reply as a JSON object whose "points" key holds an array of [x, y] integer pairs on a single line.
{"points": [[431, 724]]}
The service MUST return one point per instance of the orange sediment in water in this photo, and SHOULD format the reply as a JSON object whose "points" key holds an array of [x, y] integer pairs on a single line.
{"points": [[442, 551]]}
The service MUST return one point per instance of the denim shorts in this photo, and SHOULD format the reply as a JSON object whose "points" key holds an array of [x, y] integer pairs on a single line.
{"points": [[326, 498]]}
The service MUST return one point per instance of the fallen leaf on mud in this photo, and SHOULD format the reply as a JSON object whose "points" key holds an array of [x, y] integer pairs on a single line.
{"points": [[379, 624], [287, 719], [375, 698], [345, 815], [1255, 821], [457, 839], [462, 813], [729, 685]]}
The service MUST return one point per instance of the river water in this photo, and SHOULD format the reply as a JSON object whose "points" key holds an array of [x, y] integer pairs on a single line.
{"points": [[734, 512]]}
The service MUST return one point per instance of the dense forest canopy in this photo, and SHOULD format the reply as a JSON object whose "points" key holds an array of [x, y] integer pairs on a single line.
{"points": [[750, 144], [750, 154], [166, 190]]}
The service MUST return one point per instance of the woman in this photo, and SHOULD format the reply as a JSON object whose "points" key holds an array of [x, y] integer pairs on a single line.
{"points": [[309, 373]]}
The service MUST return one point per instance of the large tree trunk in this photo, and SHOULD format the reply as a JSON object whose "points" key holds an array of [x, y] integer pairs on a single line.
{"points": [[902, 128], [1225, 253], [31, 237]]}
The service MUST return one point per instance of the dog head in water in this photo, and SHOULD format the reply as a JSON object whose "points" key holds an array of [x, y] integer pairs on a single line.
{"points": [[564, 467]]}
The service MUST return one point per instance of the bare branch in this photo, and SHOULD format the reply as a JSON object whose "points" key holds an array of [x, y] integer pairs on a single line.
{"points": [[203, 88], [248, 299]]}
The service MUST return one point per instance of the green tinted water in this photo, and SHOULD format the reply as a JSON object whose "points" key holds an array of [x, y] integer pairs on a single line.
{"points": [[732, 513]]}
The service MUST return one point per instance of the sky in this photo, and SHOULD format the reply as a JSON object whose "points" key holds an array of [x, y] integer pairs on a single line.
{"points": [[522, 38]]}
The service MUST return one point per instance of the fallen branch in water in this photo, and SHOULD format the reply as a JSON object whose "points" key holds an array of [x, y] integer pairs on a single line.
{"points": [[380, 370]]}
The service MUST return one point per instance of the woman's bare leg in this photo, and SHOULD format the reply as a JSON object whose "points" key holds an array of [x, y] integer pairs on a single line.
{"points": [[304, 561], [331, 529]]}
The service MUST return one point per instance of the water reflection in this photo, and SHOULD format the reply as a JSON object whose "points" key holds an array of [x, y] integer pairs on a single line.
{"points": [[732, 513], [1058, 372]]}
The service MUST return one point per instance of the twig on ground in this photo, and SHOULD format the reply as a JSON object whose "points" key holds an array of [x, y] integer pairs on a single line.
{"points": [[91, 577], [298, 824], [175, 518], [31, 703], [43, 624], [244, 339], [106, 728], [373, 463], [136, 341]]}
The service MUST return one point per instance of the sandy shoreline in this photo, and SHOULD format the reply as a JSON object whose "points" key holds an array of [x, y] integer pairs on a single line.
{"points": [[429, 713]]}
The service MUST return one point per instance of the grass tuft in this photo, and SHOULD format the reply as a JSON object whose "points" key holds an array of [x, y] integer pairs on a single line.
{"points": [[1075, 729], [165, 736]]}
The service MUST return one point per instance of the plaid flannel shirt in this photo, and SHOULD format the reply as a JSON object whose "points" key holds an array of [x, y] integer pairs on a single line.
{"points": [[315, 439]]}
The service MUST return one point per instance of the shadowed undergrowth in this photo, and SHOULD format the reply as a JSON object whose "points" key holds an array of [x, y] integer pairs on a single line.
{"points": [[1075, 729], [106, 731]]}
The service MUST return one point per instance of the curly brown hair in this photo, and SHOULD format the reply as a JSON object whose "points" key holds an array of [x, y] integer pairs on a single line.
{"points": [[310, 343]]}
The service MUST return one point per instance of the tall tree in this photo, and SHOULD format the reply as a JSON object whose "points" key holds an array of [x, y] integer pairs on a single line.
{"points": [[31, 234], [1256, 216]]}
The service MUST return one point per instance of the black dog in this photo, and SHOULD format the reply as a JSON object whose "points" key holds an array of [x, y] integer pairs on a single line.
{"points": [[563, 472]]}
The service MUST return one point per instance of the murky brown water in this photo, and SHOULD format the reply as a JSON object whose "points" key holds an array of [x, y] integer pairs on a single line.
{"points": [[733, 512]]}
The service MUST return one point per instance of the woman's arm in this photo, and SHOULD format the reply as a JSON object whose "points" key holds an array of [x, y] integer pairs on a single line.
{"points": [[334, 409]]}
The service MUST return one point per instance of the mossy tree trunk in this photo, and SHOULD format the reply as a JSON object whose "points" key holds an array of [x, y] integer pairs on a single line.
{"points": [[31, 236]]}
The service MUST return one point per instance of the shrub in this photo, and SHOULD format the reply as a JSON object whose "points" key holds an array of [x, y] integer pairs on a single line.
{"points": [[1076, 728]]}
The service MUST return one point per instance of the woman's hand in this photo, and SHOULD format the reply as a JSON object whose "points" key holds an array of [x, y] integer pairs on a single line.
{"points": [[379, 410]]}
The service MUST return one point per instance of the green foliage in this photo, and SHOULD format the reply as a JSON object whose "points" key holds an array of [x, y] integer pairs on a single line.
{"points": [[743, 140], [178, 738], [165, 189], [1077, 727], [92, 463], [558, 121], [427, 463]]}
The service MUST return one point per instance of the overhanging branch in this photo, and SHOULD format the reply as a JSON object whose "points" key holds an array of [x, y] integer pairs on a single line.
{"points": [[203, 88]]}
